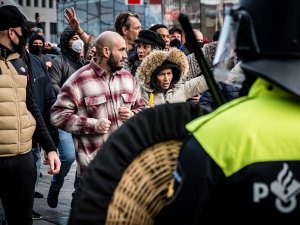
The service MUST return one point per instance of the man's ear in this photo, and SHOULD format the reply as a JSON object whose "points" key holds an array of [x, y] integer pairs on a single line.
{"points": [[124, 30], [106, 52], [10, 32]]}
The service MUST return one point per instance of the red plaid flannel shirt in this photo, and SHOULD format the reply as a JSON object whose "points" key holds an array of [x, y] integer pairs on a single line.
{"points": [[89, 95]]}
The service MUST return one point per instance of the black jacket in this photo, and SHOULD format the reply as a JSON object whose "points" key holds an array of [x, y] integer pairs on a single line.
{"points": [[42, 92], [229, 93], [64, 65]]}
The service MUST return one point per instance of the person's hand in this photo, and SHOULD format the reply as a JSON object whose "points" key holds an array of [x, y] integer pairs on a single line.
{"points": [[52, 159], [48, 64], [125, 113], [70, 16], [194, 99], [48, 45], [103, 126]]}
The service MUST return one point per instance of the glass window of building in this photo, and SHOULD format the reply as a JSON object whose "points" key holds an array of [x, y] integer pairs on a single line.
{"points": [[36, 3], [53, 32], [50, 4], [28, 2], [44, 3], [20, 2], [107, 18], [96, 16]]}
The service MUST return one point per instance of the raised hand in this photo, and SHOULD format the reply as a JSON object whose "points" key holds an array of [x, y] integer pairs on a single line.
{"points": [[70, 16]]}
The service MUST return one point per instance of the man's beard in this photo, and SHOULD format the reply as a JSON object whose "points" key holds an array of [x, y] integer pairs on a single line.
{"points": [[113, 64]]}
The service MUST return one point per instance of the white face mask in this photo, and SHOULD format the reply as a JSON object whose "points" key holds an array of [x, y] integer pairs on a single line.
{"points": [[77, 46]]}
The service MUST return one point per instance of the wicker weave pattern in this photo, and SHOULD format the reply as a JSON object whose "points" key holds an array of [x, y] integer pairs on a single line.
{"points": [[141, 192]]}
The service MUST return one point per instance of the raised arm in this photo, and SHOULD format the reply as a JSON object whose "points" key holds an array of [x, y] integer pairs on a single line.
{"points": [[70, 16]]}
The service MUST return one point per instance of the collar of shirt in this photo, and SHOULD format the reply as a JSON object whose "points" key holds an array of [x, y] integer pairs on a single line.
{"points": [[99, 71]]}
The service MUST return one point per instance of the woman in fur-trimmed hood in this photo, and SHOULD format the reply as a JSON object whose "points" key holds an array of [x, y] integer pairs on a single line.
{"points": [[160, 76]]}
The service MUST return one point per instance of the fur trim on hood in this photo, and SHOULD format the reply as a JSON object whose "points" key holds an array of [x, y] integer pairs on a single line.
{"points": [[155, 59]]}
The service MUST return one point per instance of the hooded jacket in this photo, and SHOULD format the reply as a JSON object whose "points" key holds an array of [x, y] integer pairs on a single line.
{"points": [[34, 49], [178, 92], [64, 65]]}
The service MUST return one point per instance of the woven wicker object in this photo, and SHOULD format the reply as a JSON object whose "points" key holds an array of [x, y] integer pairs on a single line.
{"points": [[142, 191]]}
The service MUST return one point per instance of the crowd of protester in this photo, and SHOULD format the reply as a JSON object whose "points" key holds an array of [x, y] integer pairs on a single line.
{"points": [[81, 119], [83, 90]]}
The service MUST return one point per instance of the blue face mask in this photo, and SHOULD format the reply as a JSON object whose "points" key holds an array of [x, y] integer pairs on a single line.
{"points": [[77, 46]]}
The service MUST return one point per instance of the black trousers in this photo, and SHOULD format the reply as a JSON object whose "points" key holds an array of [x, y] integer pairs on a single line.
{"points": [[17, 176]]}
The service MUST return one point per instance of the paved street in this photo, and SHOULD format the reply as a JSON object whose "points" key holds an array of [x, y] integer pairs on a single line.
{"points": [[60, 214]]}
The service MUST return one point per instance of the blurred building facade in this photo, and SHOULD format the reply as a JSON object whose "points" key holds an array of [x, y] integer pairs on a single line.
{"points": [[42, 11], [97, 16]]}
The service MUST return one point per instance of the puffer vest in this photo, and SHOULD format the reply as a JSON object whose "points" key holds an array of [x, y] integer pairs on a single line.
{"points": [[17, 124]]}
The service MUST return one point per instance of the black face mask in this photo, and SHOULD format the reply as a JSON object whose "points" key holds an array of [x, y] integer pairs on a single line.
{"points": [[200, 44], [36, 49], [19, 47], [175, 43]]}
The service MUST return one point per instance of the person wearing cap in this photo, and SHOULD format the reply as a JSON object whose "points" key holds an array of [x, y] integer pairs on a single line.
{"points": [[178, 40], [160, 76], [176, 33], [20, 120], [146, 42]]}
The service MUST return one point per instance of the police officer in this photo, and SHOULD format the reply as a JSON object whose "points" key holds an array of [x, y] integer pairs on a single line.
{"points": [[243, 160]]}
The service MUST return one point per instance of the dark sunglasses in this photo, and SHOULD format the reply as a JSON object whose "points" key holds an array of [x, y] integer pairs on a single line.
{"points": [[126, 17]]}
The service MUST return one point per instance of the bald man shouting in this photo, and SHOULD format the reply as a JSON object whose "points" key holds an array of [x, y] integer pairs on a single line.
{"points": [[97, 99]]}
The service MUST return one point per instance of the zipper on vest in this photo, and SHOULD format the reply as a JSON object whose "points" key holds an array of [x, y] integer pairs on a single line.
{"points": [[6, 64]]}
